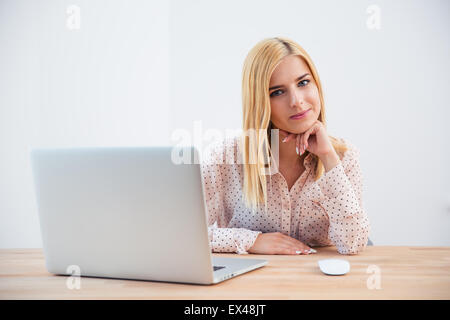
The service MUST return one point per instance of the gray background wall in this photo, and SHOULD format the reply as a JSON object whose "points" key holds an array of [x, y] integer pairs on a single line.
{"points": [[136, 71]]}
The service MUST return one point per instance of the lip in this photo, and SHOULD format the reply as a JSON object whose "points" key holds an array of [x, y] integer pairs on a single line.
{"points": [[299, 115]]}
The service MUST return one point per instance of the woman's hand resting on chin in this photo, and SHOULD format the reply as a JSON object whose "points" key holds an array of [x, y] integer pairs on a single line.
{"points": [[316, 141]]}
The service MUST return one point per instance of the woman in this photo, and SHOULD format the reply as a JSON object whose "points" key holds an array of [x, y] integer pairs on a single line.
{"points": [[312, 193]]}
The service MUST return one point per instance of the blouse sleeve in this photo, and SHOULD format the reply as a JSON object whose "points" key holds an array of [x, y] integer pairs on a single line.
{"points": [[339, 193], [221, 238]]}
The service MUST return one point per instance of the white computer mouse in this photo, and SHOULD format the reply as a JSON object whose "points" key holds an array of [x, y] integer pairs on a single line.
{"points": [[334, 267]]}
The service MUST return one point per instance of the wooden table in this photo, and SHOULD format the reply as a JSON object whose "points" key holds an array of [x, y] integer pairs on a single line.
{"points": [[379, 272]]}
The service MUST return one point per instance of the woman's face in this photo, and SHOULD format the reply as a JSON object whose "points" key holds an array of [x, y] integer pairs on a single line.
{"points": [[292, 90]]}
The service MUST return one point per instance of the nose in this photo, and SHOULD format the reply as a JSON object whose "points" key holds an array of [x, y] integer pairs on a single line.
{"points": [[296, 100]]}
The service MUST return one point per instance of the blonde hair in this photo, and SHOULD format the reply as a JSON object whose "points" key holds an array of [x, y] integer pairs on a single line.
{"points": [[258, 67]]}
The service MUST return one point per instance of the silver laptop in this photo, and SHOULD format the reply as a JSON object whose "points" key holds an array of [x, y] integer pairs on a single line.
{"points": [[128, 213]]}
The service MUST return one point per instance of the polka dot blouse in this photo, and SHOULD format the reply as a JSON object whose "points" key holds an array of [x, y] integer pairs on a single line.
{"points": [[325, 212]]}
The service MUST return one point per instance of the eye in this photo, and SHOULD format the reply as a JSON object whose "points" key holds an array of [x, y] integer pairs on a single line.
{"points": [[300, 84], [307, 81], [274, 94]]}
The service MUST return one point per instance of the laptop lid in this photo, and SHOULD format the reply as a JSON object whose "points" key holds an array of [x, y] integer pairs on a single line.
{"points": [[122, 212]]}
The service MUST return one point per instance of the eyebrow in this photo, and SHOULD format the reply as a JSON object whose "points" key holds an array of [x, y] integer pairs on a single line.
{"points": [[298, 79]]}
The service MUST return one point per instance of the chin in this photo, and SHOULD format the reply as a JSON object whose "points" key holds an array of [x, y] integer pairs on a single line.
{"points": [[302, 127]]}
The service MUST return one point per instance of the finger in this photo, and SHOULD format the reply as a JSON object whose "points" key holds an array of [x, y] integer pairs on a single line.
{"points": [[302, 250], [284, 132], [305, 142], [298, 244], [300, 145], [297, 144], [293, 250], [310, 251], [285, 250], [314, 129], [289, 137], [307, 134]]}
